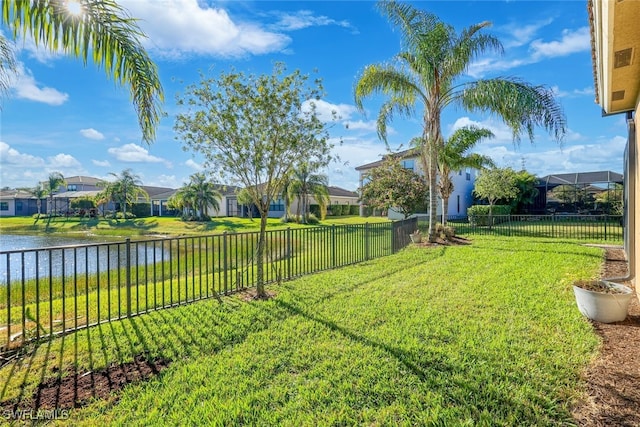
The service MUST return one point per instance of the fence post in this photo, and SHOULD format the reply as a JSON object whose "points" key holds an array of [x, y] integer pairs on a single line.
{"points": [[225, 266], [333, 246], [366, 241], [289, 250], [393, 237], [605, 226], [128, 273]]}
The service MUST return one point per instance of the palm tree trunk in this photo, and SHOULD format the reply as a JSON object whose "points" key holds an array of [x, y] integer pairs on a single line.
{"points": [[445, 210]]}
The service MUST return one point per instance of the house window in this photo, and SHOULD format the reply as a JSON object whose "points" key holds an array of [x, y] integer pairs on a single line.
{"points": [[18, 206], [276, 205], [458, 203], [72, 187], [408, 163], [460, 172], [4, 206], [468, 173]]}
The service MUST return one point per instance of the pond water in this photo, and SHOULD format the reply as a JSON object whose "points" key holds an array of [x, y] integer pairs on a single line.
{"points": [[25, 257]]}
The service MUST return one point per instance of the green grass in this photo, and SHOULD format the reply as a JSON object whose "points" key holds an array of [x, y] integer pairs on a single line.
{"points": [[484, 334], [169, 226]]}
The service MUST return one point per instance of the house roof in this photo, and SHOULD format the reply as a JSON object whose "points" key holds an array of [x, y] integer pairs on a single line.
{"points": [[615, 39], [411, 152], [341, 192], [89, 180], [580, 178], [154, 191], [15, 194], [75, 194]]}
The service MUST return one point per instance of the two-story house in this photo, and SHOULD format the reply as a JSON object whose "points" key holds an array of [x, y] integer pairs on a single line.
{"points": [[463, 182]]}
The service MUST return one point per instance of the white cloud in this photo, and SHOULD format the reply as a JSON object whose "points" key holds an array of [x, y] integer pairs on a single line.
{"points": [[326, 111], [502, 133], [132, 153], [26, 87], [92, 134], [170, 181], [63, 161], [11, 156], [304, 19], [178, 27], [101, 163], [193, 165], [520, 35], [369, 126], [25, 170], [481, 67], [571, 42]]}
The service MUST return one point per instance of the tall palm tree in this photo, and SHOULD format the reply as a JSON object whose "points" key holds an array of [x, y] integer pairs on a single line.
{"points": [[426, 74], [39, 192], [126, 189], [101, 30], [205, 194], [454, 156], [52, 185], [305, 183]]}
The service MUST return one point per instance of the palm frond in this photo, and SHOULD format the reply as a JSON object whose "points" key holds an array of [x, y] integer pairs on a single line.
{"points": [[104, 31], [522, 106]]}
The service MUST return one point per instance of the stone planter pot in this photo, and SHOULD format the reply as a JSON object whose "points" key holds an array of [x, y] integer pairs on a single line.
{"points": [[416, 237], [606, 306]]}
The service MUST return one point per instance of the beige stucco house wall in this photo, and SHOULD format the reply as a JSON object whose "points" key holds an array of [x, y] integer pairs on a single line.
{"points": [[615, 41]]}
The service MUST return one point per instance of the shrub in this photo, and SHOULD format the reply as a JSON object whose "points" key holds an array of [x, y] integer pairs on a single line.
{"points": [[315, 210], [141, 210], [354, 210], [479, 214], [312, 219], [445, 232]]}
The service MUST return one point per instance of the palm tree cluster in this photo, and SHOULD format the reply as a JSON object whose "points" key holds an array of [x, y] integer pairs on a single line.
{"points": [[196, 198], [125, 190], [427, 73], [303, 184]]}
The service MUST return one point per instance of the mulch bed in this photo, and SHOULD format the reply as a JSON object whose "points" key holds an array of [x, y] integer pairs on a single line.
{"points": [[78, 389], [613, 380]]}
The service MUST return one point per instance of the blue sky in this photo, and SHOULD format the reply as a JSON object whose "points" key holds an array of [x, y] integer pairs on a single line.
{"points": [[62, 116]]}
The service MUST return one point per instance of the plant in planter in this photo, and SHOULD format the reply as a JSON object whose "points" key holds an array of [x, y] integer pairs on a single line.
{"points": [[602, 301], [416, 236]]}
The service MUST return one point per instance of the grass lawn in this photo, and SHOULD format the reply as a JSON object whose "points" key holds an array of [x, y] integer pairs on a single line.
{"points": [[483, 334], [169, 226]]}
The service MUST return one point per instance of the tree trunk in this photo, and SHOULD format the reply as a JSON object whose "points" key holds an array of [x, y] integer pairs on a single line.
{"points": [[445, 210], [433, 195], [490, 216], [260, 292]]}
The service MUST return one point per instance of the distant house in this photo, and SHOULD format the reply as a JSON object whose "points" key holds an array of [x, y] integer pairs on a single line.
{"points": [[19, 203], [277, 209], [463, 182]]}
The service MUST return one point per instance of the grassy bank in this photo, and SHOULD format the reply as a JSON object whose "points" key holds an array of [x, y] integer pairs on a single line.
{"points": [[167, 226], [484, 334]]}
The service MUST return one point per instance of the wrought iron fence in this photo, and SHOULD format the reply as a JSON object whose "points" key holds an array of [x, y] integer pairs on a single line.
{"points": [[580, 227], [54, 290]]}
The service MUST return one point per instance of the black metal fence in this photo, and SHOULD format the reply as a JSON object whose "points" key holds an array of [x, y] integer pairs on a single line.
{"points": [[580, 227], [50, 291]]}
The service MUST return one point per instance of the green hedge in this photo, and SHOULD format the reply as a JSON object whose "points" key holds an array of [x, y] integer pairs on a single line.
{"points": [[479, 214]]}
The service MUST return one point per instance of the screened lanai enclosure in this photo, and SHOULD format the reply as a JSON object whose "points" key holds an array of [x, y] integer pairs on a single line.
{"points": [[584, 193]]}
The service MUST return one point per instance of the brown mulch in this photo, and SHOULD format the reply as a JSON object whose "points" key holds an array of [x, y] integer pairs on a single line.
{"points": [[613, 379], [75, 390]]}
